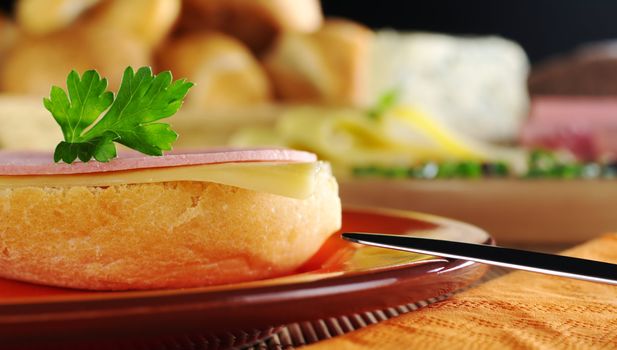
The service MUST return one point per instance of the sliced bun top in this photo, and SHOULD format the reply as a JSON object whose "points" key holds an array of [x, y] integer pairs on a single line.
{"points": [[41, 163]]}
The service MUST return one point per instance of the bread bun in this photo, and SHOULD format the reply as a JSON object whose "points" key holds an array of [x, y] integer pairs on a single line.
{"points": [[164, 235], [328, 66], [589, 70], [147, 21], [35, 63], [42, 17], [8, 36], [108, 37], [223, 69], [254, 22]]}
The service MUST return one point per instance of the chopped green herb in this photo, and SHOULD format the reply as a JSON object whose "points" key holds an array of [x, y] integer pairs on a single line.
{"points": [[500, 169], [385, 102], [542, 164], [470, 170], [395, 172], [130, 119]]}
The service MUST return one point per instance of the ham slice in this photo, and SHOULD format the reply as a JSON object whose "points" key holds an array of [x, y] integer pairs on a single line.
{"points": [[581, 125], [41, 163]]}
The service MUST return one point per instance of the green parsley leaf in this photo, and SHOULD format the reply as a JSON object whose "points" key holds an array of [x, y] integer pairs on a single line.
{"points": [[130, 119]]}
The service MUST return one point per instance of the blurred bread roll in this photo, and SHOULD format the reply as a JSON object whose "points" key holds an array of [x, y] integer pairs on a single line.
{"points": [[148, 21], [328, 66], [590, 70], [224, 70], [41, 17], [34, 63], [8, 35], [109, 37], [254, 22]]}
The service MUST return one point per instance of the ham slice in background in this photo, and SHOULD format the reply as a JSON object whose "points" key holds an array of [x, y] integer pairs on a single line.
{"points": [[586, 126]]}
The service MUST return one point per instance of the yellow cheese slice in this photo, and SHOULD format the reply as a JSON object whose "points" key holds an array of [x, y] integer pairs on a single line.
{"points": [[296, 180]]}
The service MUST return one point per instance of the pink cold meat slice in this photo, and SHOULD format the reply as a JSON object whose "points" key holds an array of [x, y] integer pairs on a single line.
{"points": [[586, 126], [41, 163]]}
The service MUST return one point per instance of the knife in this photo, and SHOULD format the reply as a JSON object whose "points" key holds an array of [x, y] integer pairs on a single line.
{"points": [[550, 264]]}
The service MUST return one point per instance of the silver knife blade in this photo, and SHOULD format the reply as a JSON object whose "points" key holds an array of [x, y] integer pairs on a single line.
{"points": [[558, 265]]}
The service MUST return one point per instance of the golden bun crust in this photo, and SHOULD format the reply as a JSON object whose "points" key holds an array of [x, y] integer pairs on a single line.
{"points": [[224, 71], [33, 64], [87, 34], [165, 235], [8, 34], [254, 22], [327, 66], [42, 17], [146, 21], [8, 37]]}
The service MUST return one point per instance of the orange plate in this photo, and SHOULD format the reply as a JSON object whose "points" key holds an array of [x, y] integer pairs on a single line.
{"points": [[342, 278]]}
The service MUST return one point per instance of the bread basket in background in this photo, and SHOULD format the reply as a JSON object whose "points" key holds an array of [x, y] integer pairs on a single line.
{"points": [[252, 61]]}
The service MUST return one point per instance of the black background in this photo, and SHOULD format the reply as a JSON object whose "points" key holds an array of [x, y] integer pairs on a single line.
{"points": [[542, 27]]}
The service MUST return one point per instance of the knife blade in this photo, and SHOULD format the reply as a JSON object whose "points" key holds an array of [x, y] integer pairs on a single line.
{"points": [[551, 264]]}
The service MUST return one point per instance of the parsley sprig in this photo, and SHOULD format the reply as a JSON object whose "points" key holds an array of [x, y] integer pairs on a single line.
{"points": [[130, 117]]}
